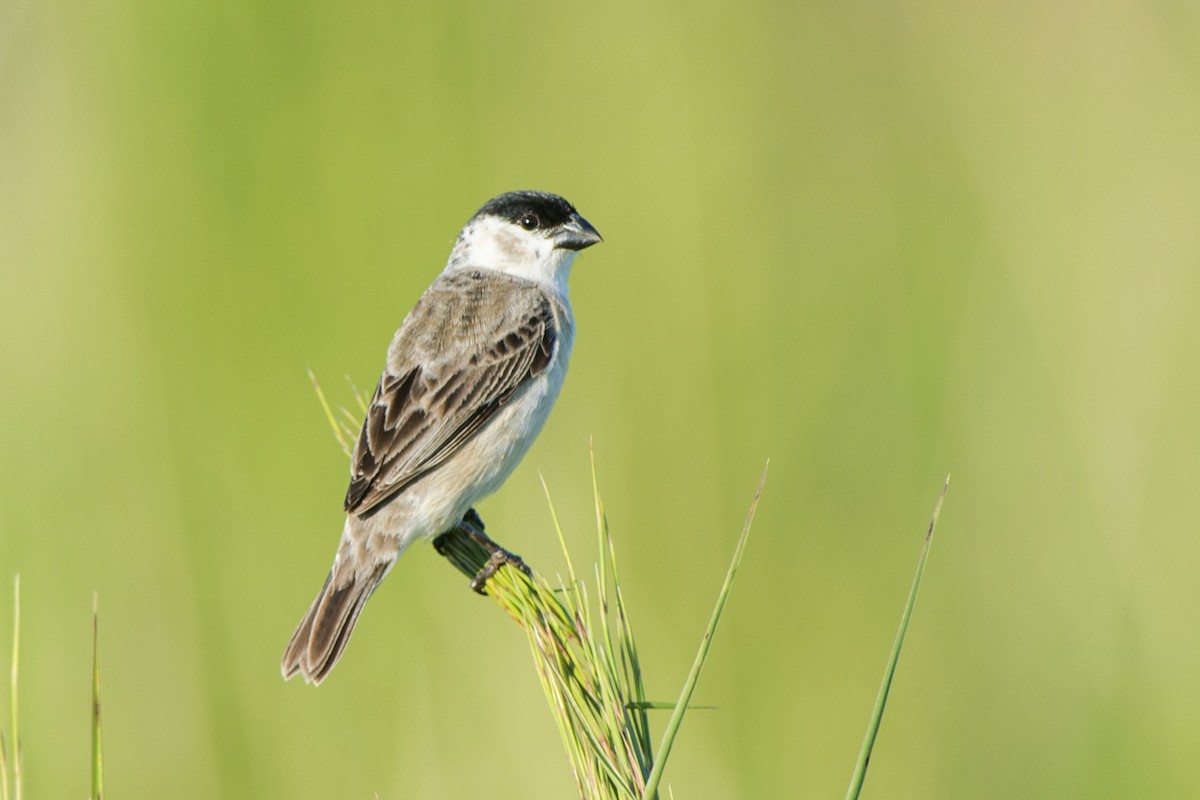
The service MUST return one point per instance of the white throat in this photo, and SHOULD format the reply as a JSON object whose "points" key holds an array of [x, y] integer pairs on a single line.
{"points": [[491, 243]]}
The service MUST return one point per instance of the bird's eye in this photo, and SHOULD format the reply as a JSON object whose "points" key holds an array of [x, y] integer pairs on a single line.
{"points": [[529, 221]]}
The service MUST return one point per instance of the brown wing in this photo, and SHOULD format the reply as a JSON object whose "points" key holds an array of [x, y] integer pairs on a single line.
{"points": [[472, 341]]}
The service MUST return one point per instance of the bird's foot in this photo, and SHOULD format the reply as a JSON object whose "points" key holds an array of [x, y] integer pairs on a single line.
{"points": [[472, 524], [453, 545], [498, 558]]}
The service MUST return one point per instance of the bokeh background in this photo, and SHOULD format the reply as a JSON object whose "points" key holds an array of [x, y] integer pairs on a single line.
{"points": [[875, 242]]}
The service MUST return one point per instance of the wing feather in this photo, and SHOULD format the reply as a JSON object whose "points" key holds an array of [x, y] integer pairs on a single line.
{"points": [[470, 344]]}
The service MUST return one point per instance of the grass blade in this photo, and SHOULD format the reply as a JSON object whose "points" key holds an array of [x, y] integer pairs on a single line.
{"points": [[4, 775], [864, 755], [329, 415], [97, 735], [15, 730], [689, 686]]}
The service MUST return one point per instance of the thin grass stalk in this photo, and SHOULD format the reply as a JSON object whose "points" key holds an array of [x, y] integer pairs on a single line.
{"points": [[4, 774], [889, 672], [15, 730], [628, 674], [619, 676], [689, 686], [630, 664], [97, 731], [339, 432], [608, 693]]}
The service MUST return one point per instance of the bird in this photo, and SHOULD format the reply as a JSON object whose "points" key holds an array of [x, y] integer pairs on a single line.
{"points": [[470, 378]]}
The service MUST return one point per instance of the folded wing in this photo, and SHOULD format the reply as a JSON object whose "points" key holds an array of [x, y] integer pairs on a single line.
{"points": [[470, 344]]}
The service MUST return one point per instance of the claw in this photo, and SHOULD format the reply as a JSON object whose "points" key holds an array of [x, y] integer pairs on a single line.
{"points": [[498, 558]]}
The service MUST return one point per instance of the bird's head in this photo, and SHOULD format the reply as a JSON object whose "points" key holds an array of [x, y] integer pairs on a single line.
{"points": [[532, 235]]}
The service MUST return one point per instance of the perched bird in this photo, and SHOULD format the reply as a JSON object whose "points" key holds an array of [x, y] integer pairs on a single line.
{"points": [[470, 378]]}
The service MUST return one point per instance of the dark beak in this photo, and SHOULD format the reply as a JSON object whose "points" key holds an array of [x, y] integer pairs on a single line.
{"points": [[577, 234]]}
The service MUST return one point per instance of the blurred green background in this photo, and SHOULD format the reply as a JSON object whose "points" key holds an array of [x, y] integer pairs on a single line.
{"points": [[874, 242]]}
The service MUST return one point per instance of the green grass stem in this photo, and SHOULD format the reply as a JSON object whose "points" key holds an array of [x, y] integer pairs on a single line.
{"points": [[14, 696], [97, 733], [339, 427], [864, 755], [3, 767], [689, 686], [4, 772]]}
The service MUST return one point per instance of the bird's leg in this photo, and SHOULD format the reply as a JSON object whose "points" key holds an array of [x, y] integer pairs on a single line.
{"points": [[469, 549], [473, 526]]}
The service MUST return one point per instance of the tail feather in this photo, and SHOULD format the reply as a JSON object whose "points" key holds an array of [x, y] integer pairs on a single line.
{"points": [[321, 637]]}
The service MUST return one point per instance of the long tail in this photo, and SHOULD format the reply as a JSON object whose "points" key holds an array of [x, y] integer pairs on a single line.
{"points": [[318, 642]]}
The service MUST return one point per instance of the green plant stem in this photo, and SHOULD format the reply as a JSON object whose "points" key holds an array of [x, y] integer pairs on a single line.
{"points": [[97, 733], [15, 731], [864, 754], [689, 686], [3, 767]]}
